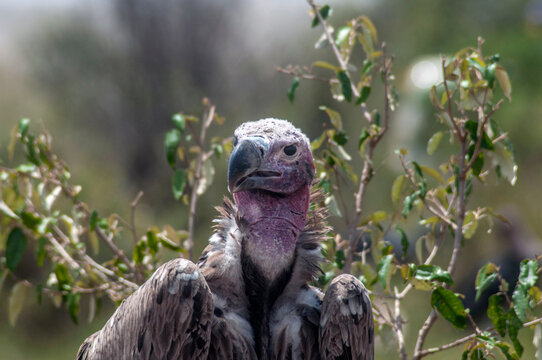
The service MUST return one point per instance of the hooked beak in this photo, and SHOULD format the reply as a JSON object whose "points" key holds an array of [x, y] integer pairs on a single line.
{"points": [[245, 169]]}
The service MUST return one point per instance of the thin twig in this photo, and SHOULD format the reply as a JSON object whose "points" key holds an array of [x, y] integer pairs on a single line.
{"points": [[62, 252], [481, 129], [133, 206], [331, 41], [108, 240], [449, 95], [194, 196], [447, 346]]}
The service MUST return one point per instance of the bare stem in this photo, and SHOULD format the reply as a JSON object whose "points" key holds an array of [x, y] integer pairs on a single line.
{"points": [[398, 321], [457, 131], [133, 206], [197, 178]]}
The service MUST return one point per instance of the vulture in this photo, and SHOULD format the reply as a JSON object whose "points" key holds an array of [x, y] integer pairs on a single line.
{"points": [[249, 295]]}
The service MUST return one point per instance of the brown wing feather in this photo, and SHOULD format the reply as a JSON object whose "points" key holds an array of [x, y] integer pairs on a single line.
{"points": [[168, 317], [227, 344], [346, 322]]}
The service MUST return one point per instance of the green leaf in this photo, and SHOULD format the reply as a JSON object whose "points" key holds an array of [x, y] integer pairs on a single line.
{"points": [[139, 252], [449, 306], [342, 34], [340, 259], [496, 313], [404, 240], [521, 300], [93, 220], [325, 11], [16, 301], [364, 136], [365, 92], [485, 277], [179, 182], [40, 250], [171, 141], [152, 241], [316, 143], [397, 189], [367, 66], [374, 218], [514, 325], [218, 150], [340, 137], [179, 121], [434, 142], [345, 85], [16, 244], [23, 126], [432, 172], [478, 164], [527, 273], [383, 269], [170, 245], [507, 351], [73, 306], [433, 273], [62, 276], [293, 88], [334, 117]]}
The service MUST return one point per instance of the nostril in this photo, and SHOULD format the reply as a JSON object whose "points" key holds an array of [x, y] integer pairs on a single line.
{"points": [[261, 152]]}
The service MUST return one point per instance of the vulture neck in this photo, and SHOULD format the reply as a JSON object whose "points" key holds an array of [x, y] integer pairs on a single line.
{"points": [[274, 223]]}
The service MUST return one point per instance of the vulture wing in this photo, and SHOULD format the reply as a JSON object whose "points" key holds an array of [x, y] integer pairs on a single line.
{"points": [[168, 317], [346, 323]]}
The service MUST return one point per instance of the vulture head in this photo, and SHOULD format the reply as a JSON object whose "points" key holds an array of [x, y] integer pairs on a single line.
{"points": [[270, 173]]}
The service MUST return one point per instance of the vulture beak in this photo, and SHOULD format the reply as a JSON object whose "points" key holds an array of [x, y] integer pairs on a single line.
{"points": [[245, 170]]}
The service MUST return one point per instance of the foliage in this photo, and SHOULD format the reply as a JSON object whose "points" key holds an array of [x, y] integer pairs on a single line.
{"points": [[41, 212]]}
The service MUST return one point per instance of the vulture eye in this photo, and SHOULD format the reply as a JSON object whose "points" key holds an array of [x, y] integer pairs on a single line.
{"points": [[290, 150]]}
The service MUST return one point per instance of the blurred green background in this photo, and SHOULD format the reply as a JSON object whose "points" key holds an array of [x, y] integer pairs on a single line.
{"points": [[104, 77]]}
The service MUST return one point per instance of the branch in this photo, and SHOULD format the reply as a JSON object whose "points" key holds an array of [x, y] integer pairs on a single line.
{"points": [[398, 326], [447, 346], [194, 196], [343, 64], [457, 131], [108, 240], [481, 129]]}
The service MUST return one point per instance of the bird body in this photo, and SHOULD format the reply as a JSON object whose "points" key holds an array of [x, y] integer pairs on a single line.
{"points": [[249, 296]]}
